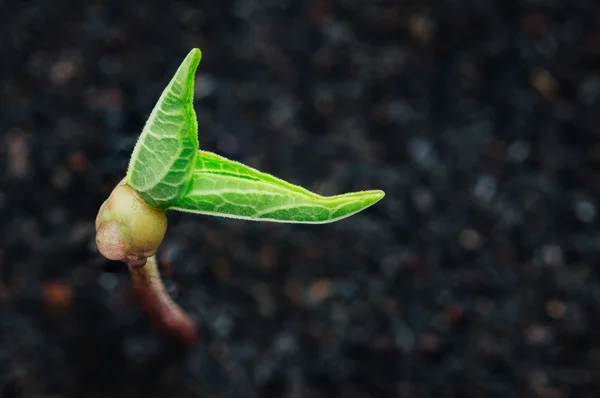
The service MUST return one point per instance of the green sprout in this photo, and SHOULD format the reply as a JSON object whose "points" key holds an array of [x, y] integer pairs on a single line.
{"points": [[168, 171]]}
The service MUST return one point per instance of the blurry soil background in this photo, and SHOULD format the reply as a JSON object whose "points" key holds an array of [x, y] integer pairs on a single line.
{"points": [[476, 276]]}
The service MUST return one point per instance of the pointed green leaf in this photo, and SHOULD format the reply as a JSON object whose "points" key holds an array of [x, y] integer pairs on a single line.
{"points": [[222, 187], [163, 159]]}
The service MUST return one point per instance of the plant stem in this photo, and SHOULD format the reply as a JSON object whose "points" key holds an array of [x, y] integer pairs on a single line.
{"points": [[164, 312]]}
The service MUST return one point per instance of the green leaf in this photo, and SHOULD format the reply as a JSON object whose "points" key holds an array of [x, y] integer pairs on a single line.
{"points": [[161, 166], [169, 172], [222, 187]]}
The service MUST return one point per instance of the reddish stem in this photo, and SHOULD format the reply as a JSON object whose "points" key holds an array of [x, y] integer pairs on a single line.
{"points": [[164, 312]]}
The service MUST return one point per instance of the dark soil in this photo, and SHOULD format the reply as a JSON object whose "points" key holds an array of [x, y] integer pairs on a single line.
{"points": [[476, 276]]}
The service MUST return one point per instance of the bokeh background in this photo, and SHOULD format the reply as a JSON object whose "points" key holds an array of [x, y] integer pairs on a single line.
{"points": [[476, 276]]}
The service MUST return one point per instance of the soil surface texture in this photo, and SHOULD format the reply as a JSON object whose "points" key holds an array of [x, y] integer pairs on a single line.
{"points": [[474, 277]]}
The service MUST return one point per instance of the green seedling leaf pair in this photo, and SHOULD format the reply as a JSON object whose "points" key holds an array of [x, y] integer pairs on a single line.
{"points": [[169, 171]]}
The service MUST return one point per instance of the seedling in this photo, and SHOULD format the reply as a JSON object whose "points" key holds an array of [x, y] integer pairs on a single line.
{"points": [[168, 171]]}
